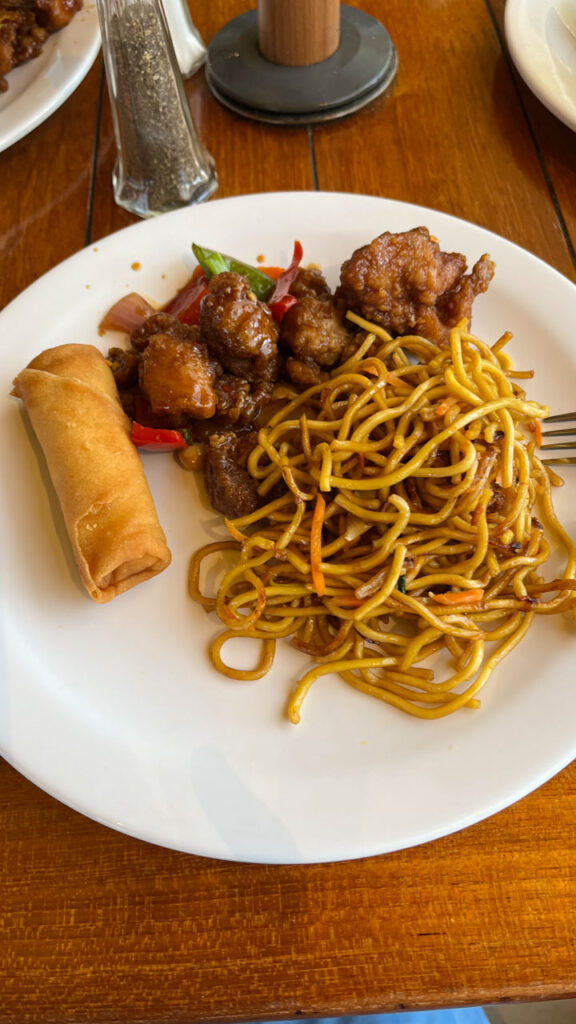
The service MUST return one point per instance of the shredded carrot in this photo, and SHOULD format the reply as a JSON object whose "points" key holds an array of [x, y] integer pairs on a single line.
{"points": [[370, 366], [274, 272], [478, 511], [538, 432], [446, 403], [458, 596], [316, 545]]}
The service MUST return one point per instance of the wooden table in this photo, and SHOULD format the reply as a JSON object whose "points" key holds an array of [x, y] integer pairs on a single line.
{"points": [[96, 926]]}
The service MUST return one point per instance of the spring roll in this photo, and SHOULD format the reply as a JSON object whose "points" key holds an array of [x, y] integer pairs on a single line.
{"points": [[70, 395]]}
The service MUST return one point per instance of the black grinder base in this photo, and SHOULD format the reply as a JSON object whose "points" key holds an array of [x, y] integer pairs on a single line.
{"points": [[361, 69]]}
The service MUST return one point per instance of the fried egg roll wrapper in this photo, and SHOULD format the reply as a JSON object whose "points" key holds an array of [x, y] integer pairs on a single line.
{"points": [[70, 395]]}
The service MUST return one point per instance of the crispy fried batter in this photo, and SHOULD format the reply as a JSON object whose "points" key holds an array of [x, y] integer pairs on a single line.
{"points": [[408, 285], [25, 26], [313, 329], [177, 379], [238, 329]]}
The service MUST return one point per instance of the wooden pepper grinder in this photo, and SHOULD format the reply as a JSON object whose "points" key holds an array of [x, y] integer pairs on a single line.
{"points": [[298, 33], [300, 61]]}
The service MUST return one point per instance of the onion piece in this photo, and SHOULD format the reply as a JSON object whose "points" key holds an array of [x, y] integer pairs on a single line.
{"points": [[129, 312], [286, 279]]}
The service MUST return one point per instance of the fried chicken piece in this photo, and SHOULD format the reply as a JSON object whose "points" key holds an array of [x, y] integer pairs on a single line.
{"points": [[55, 14], [238, 329], [313, 329], [305, 373], [124, 363], [235, 444], [405, 283], [310, 281], [161, 323], [25, 26], [230, 488], [240, 400], [8, 29], [177, 378], [21, 39]]}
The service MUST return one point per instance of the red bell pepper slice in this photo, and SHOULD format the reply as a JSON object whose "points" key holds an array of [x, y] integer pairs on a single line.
{"points": [[153, 439], [284, 284], [282, 306]]}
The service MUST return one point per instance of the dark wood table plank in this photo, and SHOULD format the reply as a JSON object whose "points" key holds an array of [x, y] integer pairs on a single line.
{"points": [[45, 188], [451, 133], [555, 142], [101, 927]]}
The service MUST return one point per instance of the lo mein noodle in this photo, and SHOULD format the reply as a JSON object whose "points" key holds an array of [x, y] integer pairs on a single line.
{"points": [[406, 515]]}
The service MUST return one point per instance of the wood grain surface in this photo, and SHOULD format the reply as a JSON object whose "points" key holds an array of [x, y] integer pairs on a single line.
{"points": [[98, 927]]}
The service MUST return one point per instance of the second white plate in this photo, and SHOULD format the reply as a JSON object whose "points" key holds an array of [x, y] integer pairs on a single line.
{"points": [[541, 37], [36, 89]]}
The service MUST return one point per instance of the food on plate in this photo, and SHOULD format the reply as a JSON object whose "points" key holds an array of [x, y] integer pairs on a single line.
{"points": [[25, 26], [405, 283], [237, 339], [406, 545], [71, 398], [379, 477]]}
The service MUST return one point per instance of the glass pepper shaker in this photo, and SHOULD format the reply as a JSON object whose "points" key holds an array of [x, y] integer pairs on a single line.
{"points": [[161, 164]]}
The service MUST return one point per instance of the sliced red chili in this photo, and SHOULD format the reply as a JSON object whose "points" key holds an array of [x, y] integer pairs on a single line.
{"points": [[153, 439], [286, 280], [279, 308]]}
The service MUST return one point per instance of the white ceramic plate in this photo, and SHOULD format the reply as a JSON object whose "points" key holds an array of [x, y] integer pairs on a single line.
{"points": [[541, 37], [116, 710], [36, 89]]}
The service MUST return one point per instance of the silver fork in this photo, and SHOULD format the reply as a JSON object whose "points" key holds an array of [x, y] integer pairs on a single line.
{"points": [[559, 460]]}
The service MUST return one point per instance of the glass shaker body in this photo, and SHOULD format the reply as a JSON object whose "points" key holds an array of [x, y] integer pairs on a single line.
{"points": [[161, 164]]}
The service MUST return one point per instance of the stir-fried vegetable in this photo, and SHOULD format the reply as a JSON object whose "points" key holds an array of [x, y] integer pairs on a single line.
{"points": [[213, 262], [186, 303], [275, 292], [273, 288], [129, 312], [281, 300], [153, 439]]}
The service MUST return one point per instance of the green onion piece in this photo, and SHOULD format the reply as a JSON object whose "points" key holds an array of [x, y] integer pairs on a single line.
{"points": [[260, 283], [211, 262], [401, 585], [217, 263]]}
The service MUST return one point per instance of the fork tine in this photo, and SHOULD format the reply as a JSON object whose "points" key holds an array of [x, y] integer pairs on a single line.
{"points": [[559, 460], [560, 417]]}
